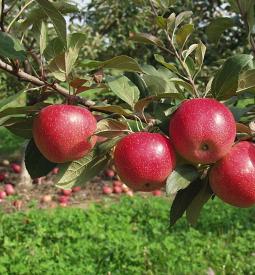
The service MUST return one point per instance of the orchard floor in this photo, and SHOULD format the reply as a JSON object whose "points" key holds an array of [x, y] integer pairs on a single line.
{"points": [[127, 237]]}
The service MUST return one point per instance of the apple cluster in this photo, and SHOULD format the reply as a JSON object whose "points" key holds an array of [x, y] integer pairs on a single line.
{"points": [[202, 132]]}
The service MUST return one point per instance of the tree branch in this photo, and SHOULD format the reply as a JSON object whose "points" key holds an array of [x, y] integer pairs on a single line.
{"points": [[175, 52], [55, 87], [2, 16], [244, 17]]}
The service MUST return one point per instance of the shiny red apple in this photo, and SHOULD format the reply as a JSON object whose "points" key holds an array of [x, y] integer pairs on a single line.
{"points": [[62, 133], [144, 160], [203, 130], [232, 178]]}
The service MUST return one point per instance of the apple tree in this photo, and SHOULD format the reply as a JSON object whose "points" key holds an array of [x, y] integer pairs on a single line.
{"points": [[175, 125]]}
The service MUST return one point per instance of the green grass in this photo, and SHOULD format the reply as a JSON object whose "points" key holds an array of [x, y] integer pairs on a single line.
{"points": [[130, 237], [9, 143]]}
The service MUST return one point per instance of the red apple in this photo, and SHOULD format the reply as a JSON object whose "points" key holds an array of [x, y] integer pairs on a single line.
{"points": [[117, 189], [5, 162], [130, 193], [16, 168], [55, 171], [232, 178], [63, 199], [17, 204], [109, 173], [203, 130], [144, 160], [63, 204], [157, 193], [66, 192], [76, 189], [107, 190], [125, 188], [117, 183], [2, 176], [63, 133], [2, 194], [46, 198], [9, 189]]}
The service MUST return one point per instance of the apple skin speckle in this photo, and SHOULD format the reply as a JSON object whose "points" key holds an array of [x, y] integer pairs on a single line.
{"points": [[232, 178], [144, 160], [203, 130], [62, 133]]}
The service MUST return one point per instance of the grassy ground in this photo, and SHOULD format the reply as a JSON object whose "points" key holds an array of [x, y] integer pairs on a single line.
{"points": [[10, 144], [130, 237]]}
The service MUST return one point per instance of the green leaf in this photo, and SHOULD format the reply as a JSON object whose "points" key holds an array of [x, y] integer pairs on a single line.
{"points": [[74, 44], [122, 62], [37, 165], [112, 109], [56, 17], [80, 171], [124, 89], [161, 22], [183, 34], [162, 61], [195, 207], [180, 178], [57, 67], [37, 14], [43, 37], [189, 51], [144, 102], [246, 81], [181, 17], [147, 39], [4, 102], [183, 199], [200, 54], [11, 47], [54, 48], [22, 128], [216, 28], [111, 128], [225, 82]]}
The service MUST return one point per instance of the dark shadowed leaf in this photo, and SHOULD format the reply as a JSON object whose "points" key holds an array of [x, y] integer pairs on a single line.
{"points": [[225, 82], [195, 207], [217, 26], [37, 165], [183, 199], [56, 17], [147, 39], [112, 109], [22, 128], [180, 178], [183, 33], [11, 47]]}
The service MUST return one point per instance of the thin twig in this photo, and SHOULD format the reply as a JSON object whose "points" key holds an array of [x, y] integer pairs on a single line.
{"points": [[19, 13], [55, 87], [244, 16], [2, 16], [175, 52]]}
